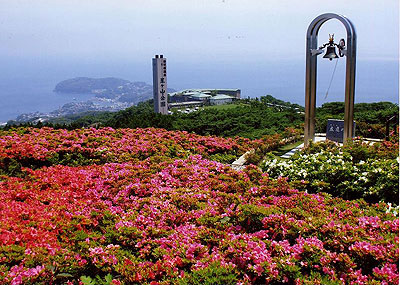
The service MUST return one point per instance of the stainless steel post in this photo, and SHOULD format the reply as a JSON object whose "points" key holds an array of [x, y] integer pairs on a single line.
{"points": [[311, 75]]}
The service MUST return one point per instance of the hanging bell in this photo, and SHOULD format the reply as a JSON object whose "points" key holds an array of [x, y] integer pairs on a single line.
{"points": [[330, 53]]}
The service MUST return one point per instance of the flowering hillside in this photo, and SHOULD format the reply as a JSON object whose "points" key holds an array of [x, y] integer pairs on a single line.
{"points": [[148, 206], [29, 147]]}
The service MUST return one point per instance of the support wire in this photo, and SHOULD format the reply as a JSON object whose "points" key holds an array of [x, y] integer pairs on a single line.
{"points": [[330, 83]]}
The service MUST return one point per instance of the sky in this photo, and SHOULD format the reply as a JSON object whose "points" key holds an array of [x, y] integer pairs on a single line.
{"points": [[189, 30], [257, 46]]}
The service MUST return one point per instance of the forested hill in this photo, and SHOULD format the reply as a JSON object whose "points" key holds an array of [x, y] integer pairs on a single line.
{"points": [[88, 85], [251, 118], [247, 118]]}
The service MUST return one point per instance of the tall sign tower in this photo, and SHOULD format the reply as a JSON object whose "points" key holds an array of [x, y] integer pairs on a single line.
{"points": [[160, 84]]}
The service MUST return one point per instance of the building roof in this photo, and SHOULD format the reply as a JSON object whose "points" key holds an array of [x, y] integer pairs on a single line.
{"points": [[192, 92], [183, 93], [217, 89], [201, 95], [221, 97], [188, 103]]}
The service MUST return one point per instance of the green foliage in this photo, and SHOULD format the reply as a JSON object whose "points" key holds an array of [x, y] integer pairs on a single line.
{"points": [[250, 118], [246, 118], [10, 167], [13, 166], [272, 100], [86, 280], [251, 216], [269, 143], [73, 159], [223, 157], [98, 280], [84, 119], [214, 274], [12, 253], [370, 118], [140, 116]]}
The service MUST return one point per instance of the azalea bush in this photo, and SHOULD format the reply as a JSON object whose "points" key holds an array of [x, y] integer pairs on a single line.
{"points": [[166, 219], [34, 148], [269, 143], [356, 170], [186, 221]]}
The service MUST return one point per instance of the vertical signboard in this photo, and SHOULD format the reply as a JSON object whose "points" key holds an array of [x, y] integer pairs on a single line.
{"points": [[160, 84]]}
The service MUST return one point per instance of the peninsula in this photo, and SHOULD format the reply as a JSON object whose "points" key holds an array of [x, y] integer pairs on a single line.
{"points": [[111, 95], [108, 88]]}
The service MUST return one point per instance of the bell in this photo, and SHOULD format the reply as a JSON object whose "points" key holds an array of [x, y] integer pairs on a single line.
{"points": [[330, 53]]}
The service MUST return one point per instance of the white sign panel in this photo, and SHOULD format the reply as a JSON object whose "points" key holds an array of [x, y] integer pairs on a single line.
{"points": [[160, 94]]}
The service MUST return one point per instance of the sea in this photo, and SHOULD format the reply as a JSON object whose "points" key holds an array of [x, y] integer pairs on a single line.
{"points": [[27, 85]]}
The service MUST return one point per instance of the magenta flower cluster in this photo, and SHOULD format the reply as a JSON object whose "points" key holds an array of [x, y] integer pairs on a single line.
{"points": [[109, 145], [160, 221]]}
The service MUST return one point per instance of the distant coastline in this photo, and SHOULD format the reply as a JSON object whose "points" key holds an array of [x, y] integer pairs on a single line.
{"points": [[23, 89], [81, 85], [109, 87], [107, 94], [114, 88]]}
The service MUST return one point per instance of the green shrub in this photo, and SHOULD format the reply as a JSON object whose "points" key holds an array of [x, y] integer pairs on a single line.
{"points": [[213, 274], [357, 170]]}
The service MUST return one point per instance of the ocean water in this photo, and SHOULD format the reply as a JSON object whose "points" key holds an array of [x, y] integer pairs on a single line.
{"points": [[27, 85], [27, 96]]}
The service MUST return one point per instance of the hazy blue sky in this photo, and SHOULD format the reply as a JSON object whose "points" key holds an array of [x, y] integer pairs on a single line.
{"points": [[189, 30], [255, 45]]}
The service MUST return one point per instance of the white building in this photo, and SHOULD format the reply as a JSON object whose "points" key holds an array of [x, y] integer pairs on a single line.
{"points": [[220, 99]]}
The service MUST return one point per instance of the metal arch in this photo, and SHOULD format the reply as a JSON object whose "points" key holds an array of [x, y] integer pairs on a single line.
{"points": [[311, 75]]}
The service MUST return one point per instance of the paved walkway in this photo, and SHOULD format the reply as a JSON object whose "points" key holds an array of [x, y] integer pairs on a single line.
{"points": [[239, 163], [322, 137], [298, 148]]}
